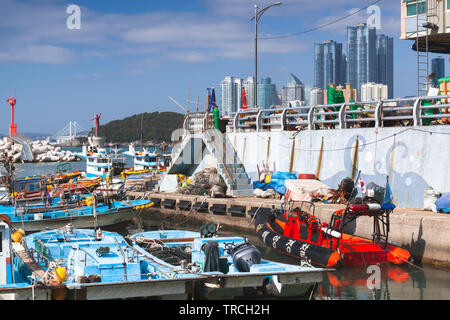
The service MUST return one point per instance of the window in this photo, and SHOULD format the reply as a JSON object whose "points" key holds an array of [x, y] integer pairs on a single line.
{"points": [[448, 4], [411, 7]]}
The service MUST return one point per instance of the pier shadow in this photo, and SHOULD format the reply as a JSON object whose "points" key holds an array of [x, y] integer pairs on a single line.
{"points": [[417, 247]]}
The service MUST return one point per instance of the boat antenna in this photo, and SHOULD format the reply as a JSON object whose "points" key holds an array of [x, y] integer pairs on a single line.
{"points": [[142, 125]]}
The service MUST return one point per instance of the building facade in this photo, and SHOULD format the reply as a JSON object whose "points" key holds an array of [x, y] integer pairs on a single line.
{"points": [[374, 91], [385, 62], [329, 62], [316, 97], [362, 55], [370, 57], [294, 90], [267, 94], [231, 95], [438, 69], [414, 13], [249, 85]]}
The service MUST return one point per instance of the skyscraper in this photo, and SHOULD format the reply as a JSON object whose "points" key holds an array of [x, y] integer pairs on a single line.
{"points": [[231, 96], [385, 62], [361, 55], [249, 85], [294, 90], [267, 94], [328, 64], [438, 69]]}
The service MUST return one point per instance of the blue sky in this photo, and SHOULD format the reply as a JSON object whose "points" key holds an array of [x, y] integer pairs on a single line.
{"points": [[129, 56]]}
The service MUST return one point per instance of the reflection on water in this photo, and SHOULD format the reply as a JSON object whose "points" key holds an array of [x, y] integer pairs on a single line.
{"points": [[407, 282]]}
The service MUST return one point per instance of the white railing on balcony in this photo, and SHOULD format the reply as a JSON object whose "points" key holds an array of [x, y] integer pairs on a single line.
{"points": [[414, 111]]}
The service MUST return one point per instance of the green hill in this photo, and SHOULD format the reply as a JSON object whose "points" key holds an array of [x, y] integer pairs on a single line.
{"points": [[156, 127]]}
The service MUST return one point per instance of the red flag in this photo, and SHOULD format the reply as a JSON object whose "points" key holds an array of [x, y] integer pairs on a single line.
{"points": [[244, 99]]}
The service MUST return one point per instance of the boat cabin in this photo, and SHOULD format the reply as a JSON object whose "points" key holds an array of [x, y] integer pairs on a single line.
{"points": [[6, 268]]}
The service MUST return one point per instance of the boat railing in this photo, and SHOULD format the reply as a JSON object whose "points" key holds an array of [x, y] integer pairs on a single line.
{"points": [[409, 111]]}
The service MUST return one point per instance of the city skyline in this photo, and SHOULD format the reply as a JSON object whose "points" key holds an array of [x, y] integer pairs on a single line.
{"points": [[125, 57]]}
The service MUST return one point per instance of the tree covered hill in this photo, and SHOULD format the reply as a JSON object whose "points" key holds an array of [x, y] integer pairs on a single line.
{"points": [[156, 127]]}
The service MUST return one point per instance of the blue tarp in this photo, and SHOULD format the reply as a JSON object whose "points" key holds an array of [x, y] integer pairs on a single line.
{"points": [[443, 203], [272, 185], [277, 182]]}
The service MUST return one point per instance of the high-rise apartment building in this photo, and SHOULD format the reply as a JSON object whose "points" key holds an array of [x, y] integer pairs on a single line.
{"points": [[231, 95], [374, 91], [294, 90], [329, 62], [316, 97], [249, 85]]}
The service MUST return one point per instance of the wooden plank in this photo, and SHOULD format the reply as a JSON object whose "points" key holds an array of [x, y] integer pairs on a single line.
{"points": [[28, 260]]}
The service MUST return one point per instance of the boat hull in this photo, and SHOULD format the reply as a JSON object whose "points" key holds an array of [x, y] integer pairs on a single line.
{"points": [[351, 250], [112, 220]]}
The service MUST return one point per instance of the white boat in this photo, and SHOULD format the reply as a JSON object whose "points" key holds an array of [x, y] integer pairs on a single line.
{"points": [[143, 160], [99, 163]]}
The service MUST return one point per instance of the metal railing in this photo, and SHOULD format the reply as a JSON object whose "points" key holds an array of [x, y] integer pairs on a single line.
{"points": [[414, 111]]}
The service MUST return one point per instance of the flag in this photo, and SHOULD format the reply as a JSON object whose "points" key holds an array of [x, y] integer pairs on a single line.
{"points": [[244, 99], [388, 196], [213, 101]]}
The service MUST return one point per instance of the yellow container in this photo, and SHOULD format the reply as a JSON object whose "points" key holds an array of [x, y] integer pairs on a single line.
{"points": [[268, 178]]}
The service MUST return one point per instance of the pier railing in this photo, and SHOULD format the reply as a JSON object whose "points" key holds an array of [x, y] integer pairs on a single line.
{"points": [[410, 111]]}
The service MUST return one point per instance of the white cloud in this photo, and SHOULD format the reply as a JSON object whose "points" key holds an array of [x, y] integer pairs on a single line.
{"points": [[38, 54]]}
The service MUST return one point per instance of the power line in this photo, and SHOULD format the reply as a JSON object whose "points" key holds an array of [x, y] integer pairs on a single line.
{"points": [[321, 26]]}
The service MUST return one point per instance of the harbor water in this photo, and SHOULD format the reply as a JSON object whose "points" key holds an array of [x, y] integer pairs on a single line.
{"points": [[410, 282]]}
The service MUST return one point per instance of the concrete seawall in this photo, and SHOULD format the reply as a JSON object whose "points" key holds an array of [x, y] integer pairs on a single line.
{"points": [[425, 234], [414, 158]]}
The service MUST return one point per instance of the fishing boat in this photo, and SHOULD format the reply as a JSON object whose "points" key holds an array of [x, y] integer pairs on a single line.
{"points": [[231, 262], [145, 162], [36, 188], [302, 235], [81, 212], [100, 163], [84, 264]]}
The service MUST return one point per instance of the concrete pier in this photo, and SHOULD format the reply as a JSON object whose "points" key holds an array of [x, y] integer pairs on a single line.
{"points": [[425, 234]]}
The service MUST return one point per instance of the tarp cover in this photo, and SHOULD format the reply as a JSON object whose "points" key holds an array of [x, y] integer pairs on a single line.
{"points": [[305, 189]]}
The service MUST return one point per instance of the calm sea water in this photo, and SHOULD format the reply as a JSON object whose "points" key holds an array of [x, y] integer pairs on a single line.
{"points": [[424, 282]]}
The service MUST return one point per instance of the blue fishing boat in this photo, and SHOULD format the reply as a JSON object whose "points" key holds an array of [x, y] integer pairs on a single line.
{"points": [[84, 264], [81, 213], [230, 262]]}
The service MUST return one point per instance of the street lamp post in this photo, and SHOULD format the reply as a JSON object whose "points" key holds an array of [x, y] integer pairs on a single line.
{"points": [[257, 17]]}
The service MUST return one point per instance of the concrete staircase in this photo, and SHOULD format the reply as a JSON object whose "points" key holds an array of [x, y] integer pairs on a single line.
{"points": [[229, 166]]}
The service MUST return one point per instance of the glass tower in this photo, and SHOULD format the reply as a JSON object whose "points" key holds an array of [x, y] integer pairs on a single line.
{"points": [[328, 64], [385, 62], [267, 94], [438, 69], [292, 91], [362, 55]]}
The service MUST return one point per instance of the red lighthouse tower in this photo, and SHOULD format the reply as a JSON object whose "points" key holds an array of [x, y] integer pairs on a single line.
{"points": [[12, 125]]}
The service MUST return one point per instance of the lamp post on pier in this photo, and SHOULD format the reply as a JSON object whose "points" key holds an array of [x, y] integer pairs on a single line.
{"points": [[257, 17]]}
